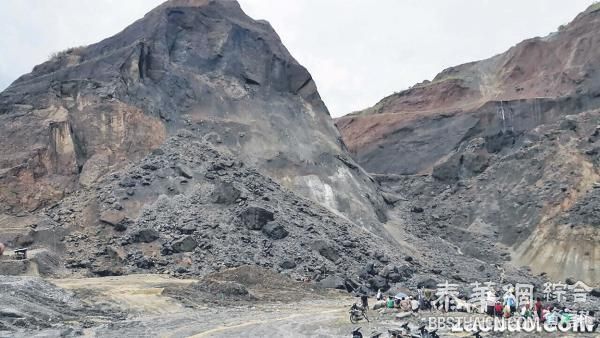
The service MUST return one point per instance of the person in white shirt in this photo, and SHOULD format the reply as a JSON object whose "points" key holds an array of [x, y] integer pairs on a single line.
{"points": [[414, 304]]}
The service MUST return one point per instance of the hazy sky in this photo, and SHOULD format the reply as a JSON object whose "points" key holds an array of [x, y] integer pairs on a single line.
{"points": [[358, 51]]}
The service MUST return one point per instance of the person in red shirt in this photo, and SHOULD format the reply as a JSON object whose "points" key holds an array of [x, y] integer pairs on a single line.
{"points": [[498, 309], [538, 308]]}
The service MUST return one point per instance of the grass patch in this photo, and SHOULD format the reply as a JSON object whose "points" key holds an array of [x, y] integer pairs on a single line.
{"points": [[68, 51]]}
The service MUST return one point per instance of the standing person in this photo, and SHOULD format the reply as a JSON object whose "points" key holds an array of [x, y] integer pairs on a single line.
{"points": [[364, 301], [510, 300], [490, 302], [379, 295], [538, 308], [421, 298], [506, 311]]}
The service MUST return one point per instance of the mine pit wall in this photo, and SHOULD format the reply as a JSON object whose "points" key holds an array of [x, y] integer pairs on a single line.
{"points": [[416, 146], [548, 245]]}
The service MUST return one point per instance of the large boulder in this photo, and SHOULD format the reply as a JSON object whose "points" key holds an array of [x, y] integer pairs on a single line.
{"points": [[188, 228], [380, 304], [114, 218], [144, 236], [378, 283], [326, 250], [387, 270], [274, 230], [225, 193], [367, 271], [395, 277], [184, 244], [184, 171], [287, 264], [332, 282], [428, 283], [255, 218]]}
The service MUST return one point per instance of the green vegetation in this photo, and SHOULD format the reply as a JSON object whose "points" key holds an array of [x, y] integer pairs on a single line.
{"points": [[593, 7]]}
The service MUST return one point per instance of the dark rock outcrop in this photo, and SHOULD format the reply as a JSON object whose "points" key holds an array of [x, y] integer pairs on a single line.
{"points": [[202, 65]]}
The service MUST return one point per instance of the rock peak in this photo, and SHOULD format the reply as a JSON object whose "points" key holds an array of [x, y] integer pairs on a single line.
{"points": [[200, 65], [197, 3]]}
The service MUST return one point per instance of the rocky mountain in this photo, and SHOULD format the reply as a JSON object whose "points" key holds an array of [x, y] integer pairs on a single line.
{"points": [[194, 64], [190, 142], [193, 142], [500, 151], [190, 158]]}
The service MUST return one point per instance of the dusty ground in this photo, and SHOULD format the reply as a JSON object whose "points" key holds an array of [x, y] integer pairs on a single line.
{"points": [[163, 306], [154, 309]]}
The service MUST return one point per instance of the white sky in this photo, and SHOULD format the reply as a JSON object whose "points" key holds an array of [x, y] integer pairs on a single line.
{"points": [[358, 51]]}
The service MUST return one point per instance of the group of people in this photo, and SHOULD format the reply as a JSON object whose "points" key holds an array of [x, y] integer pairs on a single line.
{"points": [[507, 307], [407, 303], [549, 313]]}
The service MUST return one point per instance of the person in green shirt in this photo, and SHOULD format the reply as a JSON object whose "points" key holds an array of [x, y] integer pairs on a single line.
{"points": [[390, 302]]}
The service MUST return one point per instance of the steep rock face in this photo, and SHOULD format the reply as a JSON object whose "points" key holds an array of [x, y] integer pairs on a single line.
{"points": [[200, 65], [498, 152]]}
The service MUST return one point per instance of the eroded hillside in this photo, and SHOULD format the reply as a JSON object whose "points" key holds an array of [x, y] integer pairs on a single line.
{"points": [[504, 147]]}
